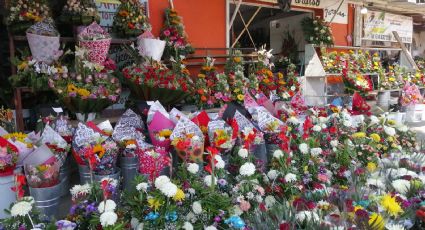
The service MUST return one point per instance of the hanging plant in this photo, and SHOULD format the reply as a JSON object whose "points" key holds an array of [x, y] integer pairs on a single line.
{"points": [[317, 31]]}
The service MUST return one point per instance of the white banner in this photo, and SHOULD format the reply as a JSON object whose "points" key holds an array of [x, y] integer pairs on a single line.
{"points": [[378, 26], [329, 9]]}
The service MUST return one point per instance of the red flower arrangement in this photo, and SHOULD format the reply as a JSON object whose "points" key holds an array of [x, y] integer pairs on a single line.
{"points": [[8, 157]]}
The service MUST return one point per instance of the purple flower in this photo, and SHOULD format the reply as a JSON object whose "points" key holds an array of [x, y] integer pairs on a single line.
{"points": [[72, 210], [92, 96], [72, 94], [112, 98], [222, 182]]}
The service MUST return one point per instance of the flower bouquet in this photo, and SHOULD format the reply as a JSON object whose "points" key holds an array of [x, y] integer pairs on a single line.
{"points": [[153, 162], [270, 126], [91, 88], [173, 33], [155, 82], [222, 136], [84, 137], [392, 79], [160, 130], [33, 73], [23, 13], [150, 47], [317, 31], [356, 82], [201, 120], [96, 41], [130, 19], [410, 95], [101, 157], [43, 39], [188, 141], [43, 175], [56, 144], [22, 143], [79, 13], [8, 157]]}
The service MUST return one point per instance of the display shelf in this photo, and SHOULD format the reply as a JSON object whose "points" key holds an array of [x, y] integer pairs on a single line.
{"points": [[314, 79]]}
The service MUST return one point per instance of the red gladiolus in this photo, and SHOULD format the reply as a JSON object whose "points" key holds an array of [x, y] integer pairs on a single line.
{"points": [[285, 226]]}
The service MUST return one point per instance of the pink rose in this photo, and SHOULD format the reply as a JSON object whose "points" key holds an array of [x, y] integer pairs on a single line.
{"points": [[323, 177]]}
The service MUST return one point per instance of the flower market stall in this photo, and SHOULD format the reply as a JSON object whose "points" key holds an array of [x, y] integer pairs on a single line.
{"points": [[252, 152]]}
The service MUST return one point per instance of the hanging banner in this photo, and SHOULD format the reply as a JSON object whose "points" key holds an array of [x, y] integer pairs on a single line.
{"points": [[330, 9], [378, 26]]}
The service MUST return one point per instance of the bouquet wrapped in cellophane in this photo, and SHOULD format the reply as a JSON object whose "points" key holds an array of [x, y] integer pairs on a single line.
{"points": [[188, 141], [56, 144]]}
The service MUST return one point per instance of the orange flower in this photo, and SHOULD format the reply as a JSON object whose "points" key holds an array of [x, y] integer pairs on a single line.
{"points": [[266, 80], [203, 98], [201, 75], [206, 68], [123, 13], [237, 59], [130, 25]]}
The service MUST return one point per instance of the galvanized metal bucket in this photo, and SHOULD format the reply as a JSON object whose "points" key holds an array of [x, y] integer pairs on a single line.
{"points": [[84, 171], [47, 199], [64, 177], [270, 150], [383, 99], [116, 176], [129, 170]]}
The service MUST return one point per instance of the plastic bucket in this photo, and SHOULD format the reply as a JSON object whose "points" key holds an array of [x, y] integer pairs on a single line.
{"points": [[47, 199]]}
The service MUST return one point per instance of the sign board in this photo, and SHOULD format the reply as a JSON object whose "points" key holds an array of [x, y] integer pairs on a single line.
{"points": [[378, 26], [329, 9], [108, 8]]}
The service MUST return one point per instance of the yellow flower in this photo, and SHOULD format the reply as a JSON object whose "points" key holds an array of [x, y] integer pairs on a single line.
{"points": [[280, 75], [201, 75], [376, 222], [371, 167], [390, 205], [42, 168], [375, 137], [154, 203], [237, 59], [359, 135], [241, 97], [99, 150], [83, 92], [236, 90], [179, 195], [390, 139], [71, 88], [392, 122], [343, 187], [165, 133], [391, 79], [23, 65]]}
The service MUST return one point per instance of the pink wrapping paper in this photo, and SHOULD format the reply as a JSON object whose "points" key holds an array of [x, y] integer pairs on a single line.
{"points": [[160, 122]]}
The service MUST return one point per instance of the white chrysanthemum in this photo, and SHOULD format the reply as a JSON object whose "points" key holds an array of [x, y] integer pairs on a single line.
{"points": [[347, 123], [334, 143], [272, 174], [21, 208], [197, 207], [187, 226], [374, 120], [316, 151], [243, 152], [303, 148], [307, 216], [160, 181], [169, 189], [402, 128], [278, 154], [211, 227], [106, 206], [290, 177], [390, 131], [401, 186], [293, 120], [108, 219], [269, 201], [193, 168], [247, 169], [317, 128], [394, 227], [207, 180], [142, 186], [220, 163], [79, 190]]}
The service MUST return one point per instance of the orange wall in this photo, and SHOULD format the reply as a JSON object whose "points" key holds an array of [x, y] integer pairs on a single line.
{"points": [[204, 20]]}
